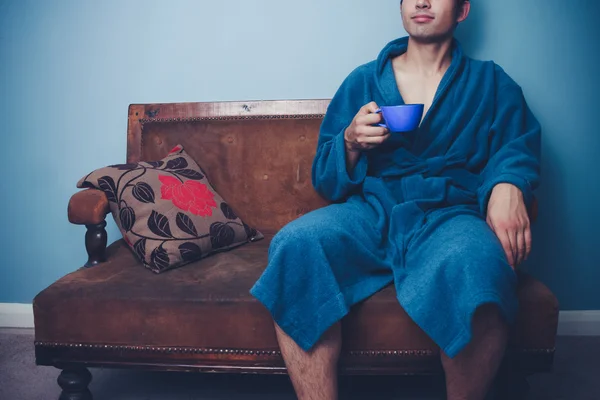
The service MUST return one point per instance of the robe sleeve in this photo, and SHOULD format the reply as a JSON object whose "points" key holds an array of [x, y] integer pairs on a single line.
{"points": [[515, 147], [329, 174]]}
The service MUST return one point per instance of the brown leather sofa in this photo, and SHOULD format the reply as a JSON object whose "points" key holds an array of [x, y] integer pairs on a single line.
{"points": [[112, 312]]}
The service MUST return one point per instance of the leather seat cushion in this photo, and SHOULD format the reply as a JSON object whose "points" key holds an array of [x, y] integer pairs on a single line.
{"points": [[207, 305]]}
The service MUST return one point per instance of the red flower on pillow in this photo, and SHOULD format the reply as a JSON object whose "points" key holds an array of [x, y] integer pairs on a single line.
{"points": [[190, 195], [175, 149]]}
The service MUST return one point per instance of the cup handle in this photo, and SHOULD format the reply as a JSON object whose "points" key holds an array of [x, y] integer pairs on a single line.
{"points": [[378, 111]]}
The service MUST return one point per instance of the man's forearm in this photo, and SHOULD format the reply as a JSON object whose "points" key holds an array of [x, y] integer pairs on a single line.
{"points": [[352, 157]]}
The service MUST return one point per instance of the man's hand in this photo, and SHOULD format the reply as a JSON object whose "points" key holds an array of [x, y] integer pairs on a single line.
{"points": [[507, 216], [361, 135]]}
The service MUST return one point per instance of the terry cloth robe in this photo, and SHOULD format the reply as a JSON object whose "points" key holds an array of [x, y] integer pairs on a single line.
{"points": [[412, 211]]}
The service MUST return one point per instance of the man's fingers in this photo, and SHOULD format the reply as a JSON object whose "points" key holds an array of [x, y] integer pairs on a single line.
{"points": [[503, 236], [527, 236], [367, 140], [372, 131], [520, 246], [512, 240], [368, 108], [368, 119]]}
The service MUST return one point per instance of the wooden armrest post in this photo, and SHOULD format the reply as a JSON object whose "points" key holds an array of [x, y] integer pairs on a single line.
{"points": [[95, 243], [90, 207]]}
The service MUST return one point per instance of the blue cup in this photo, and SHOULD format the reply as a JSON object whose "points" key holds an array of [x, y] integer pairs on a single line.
{"points": [[402, 118]]}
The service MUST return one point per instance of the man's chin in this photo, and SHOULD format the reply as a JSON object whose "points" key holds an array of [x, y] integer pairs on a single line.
{"points": [[427, 38]]}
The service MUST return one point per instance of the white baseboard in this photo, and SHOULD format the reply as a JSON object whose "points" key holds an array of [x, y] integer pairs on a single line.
{"points": [[14, 315], [570, 323], [579, 323]]}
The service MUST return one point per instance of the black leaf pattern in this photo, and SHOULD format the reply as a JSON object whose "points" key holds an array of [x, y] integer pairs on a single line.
{"points": [[159, 225], [127, 217], [221, 235], [140, 249], [250, 231], [124, 167], [190, 251], [159, 258], [107, 185], [143, 192], [227, 211], [186, 224], [190, 173], [178, 163], [155, 164]]}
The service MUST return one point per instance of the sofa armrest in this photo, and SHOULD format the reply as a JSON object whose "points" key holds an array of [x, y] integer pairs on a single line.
{"points": [[90, 207]]}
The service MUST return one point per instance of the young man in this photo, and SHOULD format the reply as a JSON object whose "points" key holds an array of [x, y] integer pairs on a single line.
{"points": [[442, 212]]}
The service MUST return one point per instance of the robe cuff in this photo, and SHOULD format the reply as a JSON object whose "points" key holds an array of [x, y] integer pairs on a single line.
{"points": [[523, 185], [358, 174]]}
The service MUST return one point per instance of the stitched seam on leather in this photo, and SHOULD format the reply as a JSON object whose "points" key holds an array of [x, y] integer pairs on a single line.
{"points": [[251, 352], [230, 118]]}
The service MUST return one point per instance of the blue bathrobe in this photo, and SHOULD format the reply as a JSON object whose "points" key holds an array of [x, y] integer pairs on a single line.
{"points": [[412, 211]]}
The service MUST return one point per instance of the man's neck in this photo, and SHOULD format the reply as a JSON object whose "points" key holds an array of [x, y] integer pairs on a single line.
{"points": [[427, 59]]}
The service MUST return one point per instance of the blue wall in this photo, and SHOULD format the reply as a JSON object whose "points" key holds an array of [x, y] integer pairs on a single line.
{"points": [[70, 68]]}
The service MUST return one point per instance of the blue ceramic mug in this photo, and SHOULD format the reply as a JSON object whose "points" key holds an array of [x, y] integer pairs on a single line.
{"points": [[402, 118]]}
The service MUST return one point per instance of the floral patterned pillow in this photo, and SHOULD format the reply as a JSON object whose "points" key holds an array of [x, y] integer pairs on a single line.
{"points": [[168, 212]]}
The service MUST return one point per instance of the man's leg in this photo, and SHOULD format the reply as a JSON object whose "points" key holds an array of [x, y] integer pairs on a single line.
{"points": [[458, 286], [319, 266], [470, 374], [313, 373]]}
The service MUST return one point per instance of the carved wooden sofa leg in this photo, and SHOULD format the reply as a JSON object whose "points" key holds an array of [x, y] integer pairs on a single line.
{"points": [[74, 383]]}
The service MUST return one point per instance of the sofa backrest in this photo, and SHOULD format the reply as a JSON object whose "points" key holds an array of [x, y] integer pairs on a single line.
{"points": [[257, 155]]}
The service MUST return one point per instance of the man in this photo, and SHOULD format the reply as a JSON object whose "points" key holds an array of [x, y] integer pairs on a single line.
{"points": [[442, 212]]}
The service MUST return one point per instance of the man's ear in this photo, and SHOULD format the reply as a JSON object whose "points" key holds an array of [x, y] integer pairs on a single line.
{"points": [[463, 11]]}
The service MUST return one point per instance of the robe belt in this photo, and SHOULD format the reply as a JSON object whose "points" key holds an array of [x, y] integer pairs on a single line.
{"points": [[428, 167]]}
